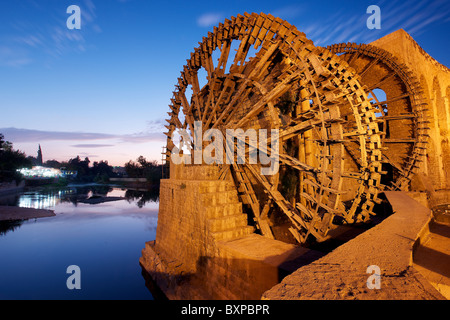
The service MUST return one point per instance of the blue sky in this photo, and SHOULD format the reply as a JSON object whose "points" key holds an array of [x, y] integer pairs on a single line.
{"points": [[102, 91]]}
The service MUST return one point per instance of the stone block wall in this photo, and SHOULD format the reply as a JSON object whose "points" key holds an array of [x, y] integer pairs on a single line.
{"points": [[435, 81], [204, 247], [342, 274]]}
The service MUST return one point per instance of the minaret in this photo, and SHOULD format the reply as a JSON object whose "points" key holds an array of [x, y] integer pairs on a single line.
{"points": [[40, 162]]}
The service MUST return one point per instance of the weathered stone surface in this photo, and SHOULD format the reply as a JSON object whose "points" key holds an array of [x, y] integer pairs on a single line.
{"points": [[432, 257], [435, 81], [204, 248], [342, 273]]}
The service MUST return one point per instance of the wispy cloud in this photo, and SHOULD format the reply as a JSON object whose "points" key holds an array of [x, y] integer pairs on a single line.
{"points": [[28, 135], [88, 11], [210, 19], [30, 40], [47, 34], [347, 27], [16, 57], [92, 145], [65, 40], [88, 155]]}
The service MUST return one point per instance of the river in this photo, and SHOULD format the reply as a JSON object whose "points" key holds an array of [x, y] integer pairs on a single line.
{"points": [[104, 240]]}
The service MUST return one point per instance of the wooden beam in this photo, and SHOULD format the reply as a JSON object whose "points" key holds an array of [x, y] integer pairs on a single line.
{"points": [[391, 99], [279, 89]]}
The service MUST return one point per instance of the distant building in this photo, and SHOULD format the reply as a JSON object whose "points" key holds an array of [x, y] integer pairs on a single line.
{"points": [[68, 173], [120, 171], [38, 172], [40, 161]]}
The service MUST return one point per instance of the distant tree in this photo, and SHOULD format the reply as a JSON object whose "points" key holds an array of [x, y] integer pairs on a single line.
{"points": [[53, 164], [102, 171], [141, 168], [2, 141], [99, 171], [5, 145], [81, 167], [133, 169], [11, 160], [85, 165], [33, 160]]}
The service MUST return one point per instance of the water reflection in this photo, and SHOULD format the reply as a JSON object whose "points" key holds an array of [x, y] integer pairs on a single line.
{"points": [[49, 199], [37, 201], [6, 226], [142, 197], [104, 239], [62, 200]]}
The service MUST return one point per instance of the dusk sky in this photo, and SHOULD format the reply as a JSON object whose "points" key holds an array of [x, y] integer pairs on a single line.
{"points": [[103, 91]]}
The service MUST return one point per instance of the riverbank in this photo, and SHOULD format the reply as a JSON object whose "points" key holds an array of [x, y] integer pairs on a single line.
{"points": [[11, 188], [88, 193], [17, 213], [105, 241]]}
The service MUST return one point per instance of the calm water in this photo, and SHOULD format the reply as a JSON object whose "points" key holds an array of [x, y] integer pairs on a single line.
{"points": [[105, 240]]}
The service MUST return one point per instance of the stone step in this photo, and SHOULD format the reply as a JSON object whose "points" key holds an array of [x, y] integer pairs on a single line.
{"points": [[432, 257], [441, 213], [219, 198], [223, 210], [215, 186], [232, 233], [150, 245], [227, 222]]}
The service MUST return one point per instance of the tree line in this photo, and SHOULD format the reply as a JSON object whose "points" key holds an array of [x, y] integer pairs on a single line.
{"points": [[141, 168], [10, 161], [98, 171]]}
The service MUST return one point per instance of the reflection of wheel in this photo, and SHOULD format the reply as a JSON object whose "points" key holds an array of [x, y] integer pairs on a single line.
{"points": [[401, 109], [308, 95]]}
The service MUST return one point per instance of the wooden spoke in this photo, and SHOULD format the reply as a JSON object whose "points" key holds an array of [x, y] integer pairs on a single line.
{"points": [[403, 143], [391, 100], [320, 113]]}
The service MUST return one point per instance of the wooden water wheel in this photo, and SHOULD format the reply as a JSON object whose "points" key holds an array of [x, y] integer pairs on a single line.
{"points": [[401, 109], [254, 72]]}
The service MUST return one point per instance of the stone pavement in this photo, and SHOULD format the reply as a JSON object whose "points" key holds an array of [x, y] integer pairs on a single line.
{"points": [[342, 274], [432, 257]]}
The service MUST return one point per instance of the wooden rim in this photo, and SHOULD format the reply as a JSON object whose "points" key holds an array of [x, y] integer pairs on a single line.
{"points": [[250, 93]]}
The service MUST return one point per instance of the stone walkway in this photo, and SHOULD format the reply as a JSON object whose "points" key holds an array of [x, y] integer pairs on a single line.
{"points": [[342, 274], [432, 257]]}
